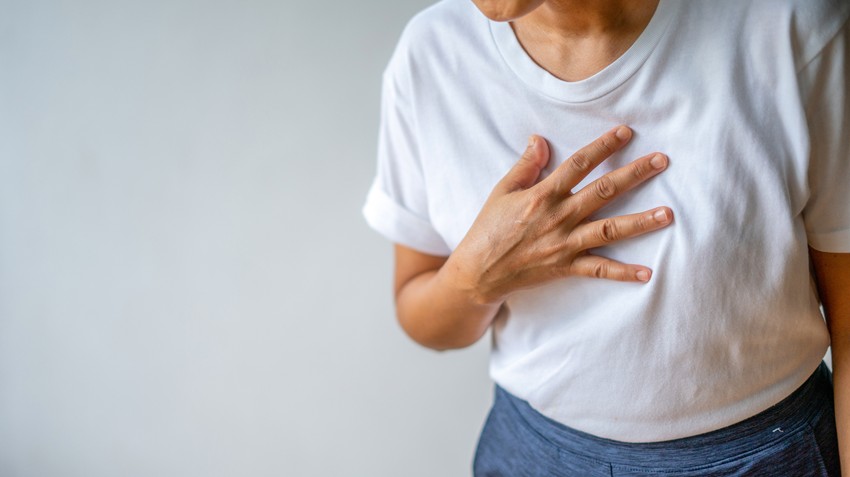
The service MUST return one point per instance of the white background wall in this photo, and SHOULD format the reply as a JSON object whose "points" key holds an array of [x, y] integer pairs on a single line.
{"points": [[187, 287]]}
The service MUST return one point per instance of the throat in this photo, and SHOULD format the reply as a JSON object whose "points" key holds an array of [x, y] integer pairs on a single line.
{"points": [[573, 51]]}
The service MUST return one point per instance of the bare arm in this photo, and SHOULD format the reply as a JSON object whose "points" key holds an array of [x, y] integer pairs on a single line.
{"points": [[430, 308], [832, 271], [528, 233]]}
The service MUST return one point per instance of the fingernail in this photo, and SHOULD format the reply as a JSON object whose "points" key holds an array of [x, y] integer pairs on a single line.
{"points": [[532, 140], [623, 133], [660, 216], [658, 161], [643, 275]]}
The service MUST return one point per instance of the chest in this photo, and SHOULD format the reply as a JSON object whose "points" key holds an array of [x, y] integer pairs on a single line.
{"points": [[736, 155]]}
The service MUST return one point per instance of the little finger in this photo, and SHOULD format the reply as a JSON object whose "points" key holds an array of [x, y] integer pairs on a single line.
{"points": [[600, 267]]}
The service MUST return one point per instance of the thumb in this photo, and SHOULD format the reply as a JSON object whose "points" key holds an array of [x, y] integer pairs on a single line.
{"points": [[525, 172]]}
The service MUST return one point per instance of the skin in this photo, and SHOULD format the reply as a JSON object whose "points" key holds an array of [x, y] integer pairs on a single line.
{"points": [[529, 233], [573, 39], [832, 271]]}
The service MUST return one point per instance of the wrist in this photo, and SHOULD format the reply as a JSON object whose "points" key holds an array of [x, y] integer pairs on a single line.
{"points": [[466, 281]]}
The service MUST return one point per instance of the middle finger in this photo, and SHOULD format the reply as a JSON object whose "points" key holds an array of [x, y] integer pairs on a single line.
{"points": [[603, 190]]}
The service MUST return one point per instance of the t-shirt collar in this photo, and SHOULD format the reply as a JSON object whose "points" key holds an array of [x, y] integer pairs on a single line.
{"points": [[600, 83]]}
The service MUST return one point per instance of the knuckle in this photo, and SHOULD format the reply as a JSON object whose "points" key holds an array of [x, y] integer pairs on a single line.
{"points": [[575, 243], [536, 199], [559, 183], [580, 162], [534, 203], [605, 188], [599, 270], [640, 171], [607, 231], [607, 145]]}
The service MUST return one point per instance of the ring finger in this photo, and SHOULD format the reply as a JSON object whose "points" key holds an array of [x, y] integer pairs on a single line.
{"points": [[603, 232]]}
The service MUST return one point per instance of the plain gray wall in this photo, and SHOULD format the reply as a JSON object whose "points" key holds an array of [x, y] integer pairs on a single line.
{"points": [[187, 287]]}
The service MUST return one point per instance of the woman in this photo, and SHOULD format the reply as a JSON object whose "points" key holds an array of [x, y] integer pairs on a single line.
{"points": [[624, 342]]}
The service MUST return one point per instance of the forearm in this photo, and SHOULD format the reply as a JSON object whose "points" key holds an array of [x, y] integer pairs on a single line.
{"points": [[841, 381], [438, 313], [832, 271]]}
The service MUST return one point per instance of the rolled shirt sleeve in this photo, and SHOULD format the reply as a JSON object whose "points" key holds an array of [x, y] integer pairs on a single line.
{"points": [[397, 203], [824, 80]]}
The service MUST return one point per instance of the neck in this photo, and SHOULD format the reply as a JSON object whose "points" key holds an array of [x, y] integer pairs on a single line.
{"points": [[589, 18], [574, 39]]}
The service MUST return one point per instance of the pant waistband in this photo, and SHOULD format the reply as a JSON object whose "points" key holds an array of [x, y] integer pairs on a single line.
{"points": [[792, 414]]}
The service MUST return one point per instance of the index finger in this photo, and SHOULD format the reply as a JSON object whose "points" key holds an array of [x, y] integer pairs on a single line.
{"points": [[572, 171]]}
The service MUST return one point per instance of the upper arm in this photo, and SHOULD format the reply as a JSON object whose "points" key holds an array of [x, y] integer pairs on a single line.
{"points": [[410, 263], [832, 272]]}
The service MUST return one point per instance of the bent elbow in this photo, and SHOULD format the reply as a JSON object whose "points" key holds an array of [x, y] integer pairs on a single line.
{"points": [[439, 340]]}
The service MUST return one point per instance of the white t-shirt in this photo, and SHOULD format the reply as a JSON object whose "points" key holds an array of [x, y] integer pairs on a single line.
{"points": [[749, 99]]}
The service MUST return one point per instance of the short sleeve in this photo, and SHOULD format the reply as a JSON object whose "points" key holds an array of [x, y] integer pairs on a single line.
{"points": [[824, 81], [396, 205]]}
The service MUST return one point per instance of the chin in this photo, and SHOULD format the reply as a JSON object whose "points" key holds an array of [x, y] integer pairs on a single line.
{"points": [[506, 10]]}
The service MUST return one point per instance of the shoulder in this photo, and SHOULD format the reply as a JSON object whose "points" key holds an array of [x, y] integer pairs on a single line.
{"points": [[812, 24], [807, 25], [445, 16], [799, 27], [439, 34]]}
